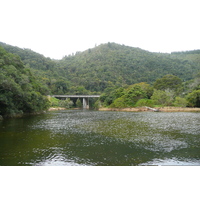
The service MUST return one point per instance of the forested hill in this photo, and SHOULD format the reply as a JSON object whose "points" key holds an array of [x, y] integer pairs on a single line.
{"points": [[30, 58], [20, 91], [111, 64], [192, 56], [123, 65]]}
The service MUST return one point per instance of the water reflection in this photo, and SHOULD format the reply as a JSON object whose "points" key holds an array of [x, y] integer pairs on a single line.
{"points": [[172, 162], [74, 138]]}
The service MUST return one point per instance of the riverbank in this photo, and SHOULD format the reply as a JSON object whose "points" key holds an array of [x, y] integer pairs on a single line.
{"points": [[56, 108], [144, 109], [19, 115]]}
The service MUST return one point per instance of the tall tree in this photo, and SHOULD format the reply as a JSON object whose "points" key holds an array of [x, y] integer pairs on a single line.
{"points": [[168, 82], [194, 98]]}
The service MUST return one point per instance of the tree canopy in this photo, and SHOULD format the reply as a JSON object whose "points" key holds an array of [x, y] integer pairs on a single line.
{"points": [[168, 82], [20, 92], [124, 76], [93, 70]]}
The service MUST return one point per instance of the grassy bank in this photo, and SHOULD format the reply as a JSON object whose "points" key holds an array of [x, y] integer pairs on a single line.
{"points": [[56, 108], [162, 109]]}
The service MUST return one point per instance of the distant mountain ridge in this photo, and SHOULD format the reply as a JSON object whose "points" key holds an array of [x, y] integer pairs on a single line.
{"points": [[125, 65], [107, 64]]}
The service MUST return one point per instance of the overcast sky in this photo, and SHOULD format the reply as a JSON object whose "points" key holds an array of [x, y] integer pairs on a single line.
{"points": [[56, 28]]}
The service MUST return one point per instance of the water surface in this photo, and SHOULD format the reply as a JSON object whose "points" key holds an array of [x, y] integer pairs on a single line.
{"points": [[102, 138]]}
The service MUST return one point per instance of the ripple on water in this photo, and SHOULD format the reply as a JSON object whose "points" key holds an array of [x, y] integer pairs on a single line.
{"points": [[55, 157], [156, 132], [172, 162]]}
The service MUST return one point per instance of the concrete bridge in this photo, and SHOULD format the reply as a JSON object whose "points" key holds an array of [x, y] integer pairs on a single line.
{"points": [[84, 97]]}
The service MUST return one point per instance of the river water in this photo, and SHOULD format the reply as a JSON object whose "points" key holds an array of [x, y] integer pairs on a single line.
{"points": [[101, 138]]}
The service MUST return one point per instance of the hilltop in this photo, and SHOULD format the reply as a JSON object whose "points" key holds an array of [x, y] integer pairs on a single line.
{"points": [[122, 65], [124, 77], [111, 64]]}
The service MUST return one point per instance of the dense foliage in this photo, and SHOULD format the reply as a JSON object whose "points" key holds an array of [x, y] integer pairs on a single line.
{"points": [[177, 93], [96, 69], [20, 92], [122, 65], [124, 76]]}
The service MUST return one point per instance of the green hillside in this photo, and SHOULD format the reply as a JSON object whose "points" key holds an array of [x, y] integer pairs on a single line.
{"points": [[30, 58], [20, 91], [192, 56], [122, 65], [96, 69], [124, 76]]}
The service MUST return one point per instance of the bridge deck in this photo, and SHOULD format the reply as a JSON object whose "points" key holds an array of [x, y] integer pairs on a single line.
{"points": [[76, 96]]}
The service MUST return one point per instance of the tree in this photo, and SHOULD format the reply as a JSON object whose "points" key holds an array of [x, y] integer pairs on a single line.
{"points": [[147, 88], [61, 87], [168, 82], [97, 104], [19, 89], [94, 70], [78, 103], [193, 98], [180, 102], [130, 97], [119, 103], [66, 103], [54, 102], [145, 102], [160, 97], [133, 94]]}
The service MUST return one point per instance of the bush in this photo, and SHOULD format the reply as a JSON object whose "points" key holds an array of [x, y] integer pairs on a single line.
{"points": [[66, 103], [78, 103], [180, 102], [119, 103], [193, 98], [54, 102], [161, 98], [145, 102], [97, 104]]}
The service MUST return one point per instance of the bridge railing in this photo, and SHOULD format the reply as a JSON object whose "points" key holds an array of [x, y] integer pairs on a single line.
{"points": [[76, 96]]}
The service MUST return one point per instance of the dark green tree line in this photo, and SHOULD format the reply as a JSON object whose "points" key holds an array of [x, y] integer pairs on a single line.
{"points": [[20, 92], [108, 69]]}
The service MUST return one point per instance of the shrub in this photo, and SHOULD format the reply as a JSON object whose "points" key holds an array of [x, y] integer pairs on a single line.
{"points": [[78, 103], [119, 103], [66, 103], [145, 102], [54, 102], [180, 102], [194, 98], [161, 97]]}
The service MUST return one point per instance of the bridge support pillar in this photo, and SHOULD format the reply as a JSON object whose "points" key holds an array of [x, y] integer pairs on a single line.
{"points": [[85, 103], [75, 97]]}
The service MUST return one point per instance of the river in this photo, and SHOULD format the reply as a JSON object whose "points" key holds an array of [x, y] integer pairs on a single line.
{"points": [[101, 138]]}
